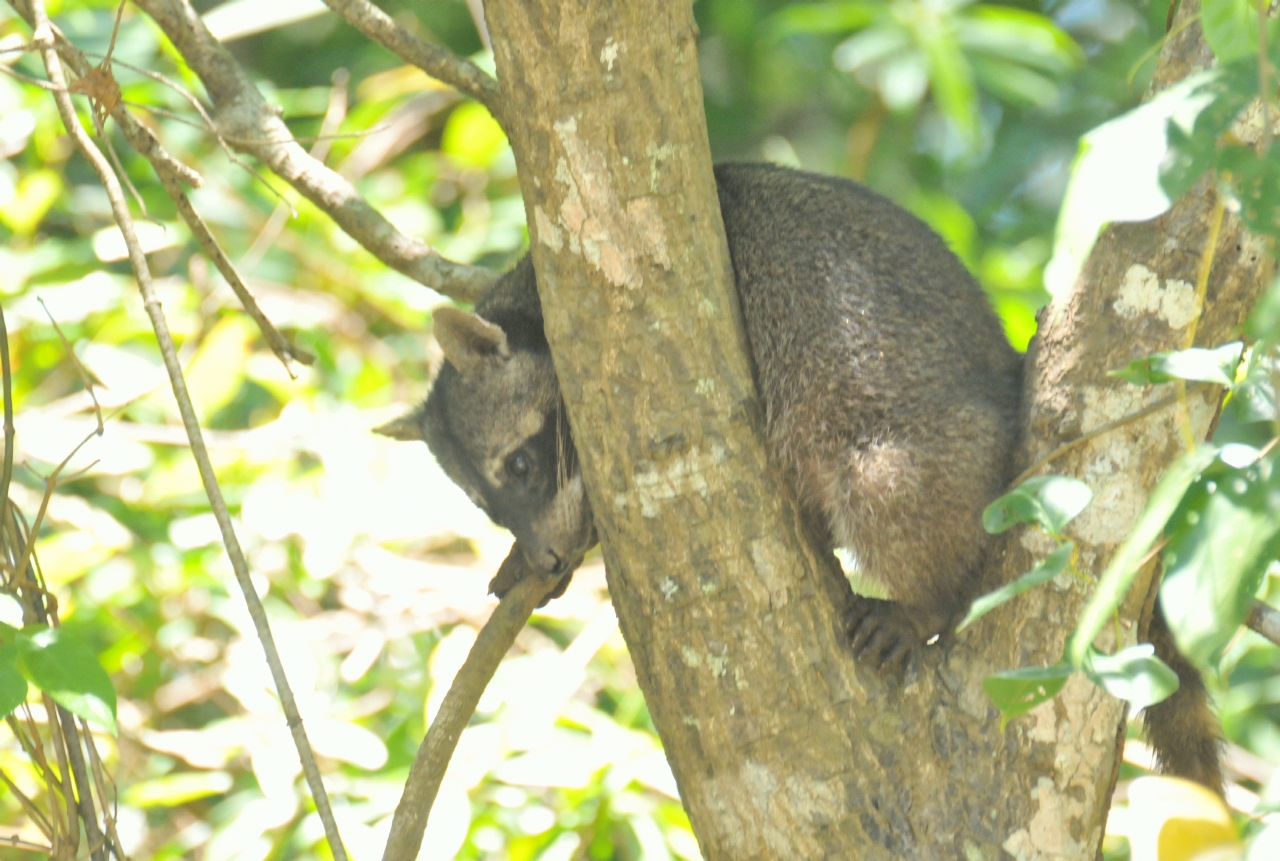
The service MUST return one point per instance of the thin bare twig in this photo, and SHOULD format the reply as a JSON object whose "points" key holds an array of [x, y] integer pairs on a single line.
{"points": [[334, 114], [253, 126], [441, 64], [1099, 431], [1264, 620], [459, 704], [44, 37]]}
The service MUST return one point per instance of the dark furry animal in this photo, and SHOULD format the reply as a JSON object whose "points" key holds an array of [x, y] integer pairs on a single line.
{"points": [[890, 392]]}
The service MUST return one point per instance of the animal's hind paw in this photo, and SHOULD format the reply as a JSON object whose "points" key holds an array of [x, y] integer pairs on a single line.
{"points": [[881, 633]]}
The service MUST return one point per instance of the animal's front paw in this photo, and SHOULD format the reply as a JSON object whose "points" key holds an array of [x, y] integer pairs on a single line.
{"points": [[515, 568], [881, 634]]}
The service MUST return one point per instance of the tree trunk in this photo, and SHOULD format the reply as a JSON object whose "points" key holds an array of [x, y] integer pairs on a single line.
{"points": [[781, 745]]}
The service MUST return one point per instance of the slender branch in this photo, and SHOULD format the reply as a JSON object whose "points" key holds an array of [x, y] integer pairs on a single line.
{"points": [[6, 378], [495, 639], [437, 62], [44, 36], [1264, 620], [245, 118], [1099, 431]]}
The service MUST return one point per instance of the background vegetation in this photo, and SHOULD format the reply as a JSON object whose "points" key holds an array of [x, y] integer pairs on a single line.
{"points": [[373, 567]]}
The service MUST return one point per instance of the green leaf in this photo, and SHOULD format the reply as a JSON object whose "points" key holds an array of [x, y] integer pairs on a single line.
{"points": [[65, 669], [1014, 83], [13, 687], [1049, 501], [1016, 692], [871, 46], [1020, 37], [472, 137], [1116, 176], [1210, 366], [951, 79], [1224, 536], [1053, 565], [1217, 98], [1118, 576], [1134, 674], [1256, 182], [824, 18], [177, 789], [1231, 28]]}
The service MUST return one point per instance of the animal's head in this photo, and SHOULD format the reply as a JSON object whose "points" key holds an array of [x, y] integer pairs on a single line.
{"points": [[496, 423]]}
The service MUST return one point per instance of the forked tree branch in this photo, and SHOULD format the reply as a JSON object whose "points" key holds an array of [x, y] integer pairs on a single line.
{"points": [[253, 126], [437, 62], [43, 37]]}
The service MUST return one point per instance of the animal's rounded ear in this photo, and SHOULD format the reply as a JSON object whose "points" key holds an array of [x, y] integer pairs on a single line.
{"points": [[407, 427], [468, 341]]}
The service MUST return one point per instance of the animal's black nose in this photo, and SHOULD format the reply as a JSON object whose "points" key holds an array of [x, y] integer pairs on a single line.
{"points": [[558, 565]]}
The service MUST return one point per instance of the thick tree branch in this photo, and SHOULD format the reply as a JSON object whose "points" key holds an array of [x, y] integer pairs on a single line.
{"points": [[437, 62], [253, 126]]}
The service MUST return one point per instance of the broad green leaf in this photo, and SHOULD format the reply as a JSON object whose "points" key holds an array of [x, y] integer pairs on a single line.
{"points": [[951, 79], [13, 687], [1118, 576], [1116, 176], [1016, 692], [824, 17], [1210, 366], [64, 668], [1225, 534], [1256, 182], [1051, 566], [1020, 37], [1231, 28], [1134, 674], [1194, 136], [239, 18], [175, 789], [1014, 83], [26, 208], [871, 46], [1171, 819], [1049, 501]]}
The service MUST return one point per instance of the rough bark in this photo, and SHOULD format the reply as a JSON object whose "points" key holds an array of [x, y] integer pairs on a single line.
{"points": [[781, 745]]}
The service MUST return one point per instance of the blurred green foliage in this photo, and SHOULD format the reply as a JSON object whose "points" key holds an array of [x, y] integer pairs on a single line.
{"points": [[372, 566]]}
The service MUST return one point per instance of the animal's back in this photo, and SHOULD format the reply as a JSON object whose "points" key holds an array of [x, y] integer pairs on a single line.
{"points": [[889, 387]]}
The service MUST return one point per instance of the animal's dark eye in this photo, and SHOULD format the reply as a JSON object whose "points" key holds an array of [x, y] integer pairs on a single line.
{"points": [[519, 464]]}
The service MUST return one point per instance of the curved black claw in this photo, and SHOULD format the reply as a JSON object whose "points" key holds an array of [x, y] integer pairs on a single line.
{"points": [[881, 633]]}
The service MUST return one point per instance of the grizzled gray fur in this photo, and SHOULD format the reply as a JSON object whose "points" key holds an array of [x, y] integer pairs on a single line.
{"points": [[890, 392]]}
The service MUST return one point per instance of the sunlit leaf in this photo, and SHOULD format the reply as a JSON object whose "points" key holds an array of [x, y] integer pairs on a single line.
{"points": [[1176, 820], [1014, 83], [824, 17], [1049, 501], [13, 687], [951, 79], [1134, 674], [1119, 574], [1018, 36], [35, 193], [472, 137], [1116, 176], [64, 668], [1053, 565], [871, 46], [239, 18], [176, 789], [1225, 535], [1016, 692], [1211, 366], [1231, 28]]}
